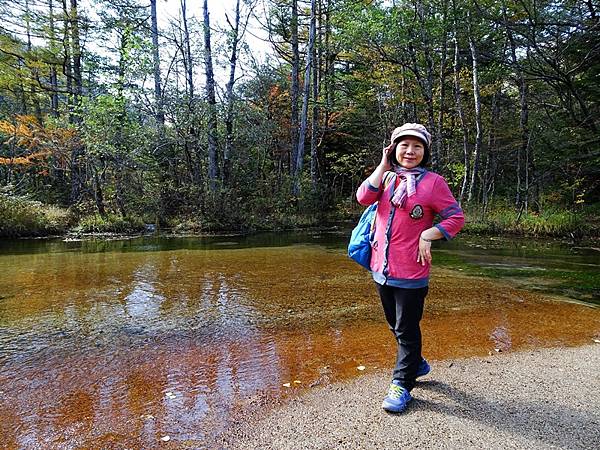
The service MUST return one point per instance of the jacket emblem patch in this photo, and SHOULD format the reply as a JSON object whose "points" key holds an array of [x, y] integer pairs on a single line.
{"points": [[417, 212]]}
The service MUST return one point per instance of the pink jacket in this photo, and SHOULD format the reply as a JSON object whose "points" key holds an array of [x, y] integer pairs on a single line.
{"points": [[396, 241]]}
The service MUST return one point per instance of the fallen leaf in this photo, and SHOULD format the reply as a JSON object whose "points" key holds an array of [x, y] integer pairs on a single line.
{"points": [[361, 368], [165, 438], [297, 382]]}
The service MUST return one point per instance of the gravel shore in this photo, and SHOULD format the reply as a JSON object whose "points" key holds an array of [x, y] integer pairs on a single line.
{"points": [[547, 398]]}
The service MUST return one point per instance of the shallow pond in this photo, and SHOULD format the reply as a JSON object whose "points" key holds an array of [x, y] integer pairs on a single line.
{"points": [[122, 343]]}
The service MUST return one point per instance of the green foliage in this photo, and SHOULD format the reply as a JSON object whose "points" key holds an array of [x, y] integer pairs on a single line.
{"points": [[550, 222], [111, 223], [456, 175], [23, 217]]}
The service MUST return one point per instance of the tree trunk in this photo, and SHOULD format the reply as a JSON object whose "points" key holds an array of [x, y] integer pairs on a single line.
{"points": [[76, 52], [189, 67], [314, 150], [522, 150], [440, 123], [490, 163], [159, 114], [229, 95], [67, 64], [53, 74], [427, 83], [34, 70], [120, 120], [212, 108], [403, 105], [73, 79], [192, 151], [478, 126], [294, 87], [329, 69], [98, 194], [305, 100], [461, 114]]}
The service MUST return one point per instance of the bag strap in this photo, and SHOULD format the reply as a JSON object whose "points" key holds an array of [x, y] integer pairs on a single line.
{"points": [[387, 178]]}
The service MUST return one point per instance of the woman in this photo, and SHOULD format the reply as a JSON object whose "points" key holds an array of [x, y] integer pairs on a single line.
{"points": [[409, 197]]}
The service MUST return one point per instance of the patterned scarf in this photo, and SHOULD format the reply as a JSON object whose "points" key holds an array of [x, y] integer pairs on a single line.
{"points": [[408, 184]]}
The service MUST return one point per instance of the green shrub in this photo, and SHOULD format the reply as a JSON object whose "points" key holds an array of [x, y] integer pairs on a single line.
{"points": [[185, 224], [110, 223], [23, 217]]}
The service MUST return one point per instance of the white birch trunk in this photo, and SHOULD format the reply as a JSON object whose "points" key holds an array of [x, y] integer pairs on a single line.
{"points": [[478, 125]]}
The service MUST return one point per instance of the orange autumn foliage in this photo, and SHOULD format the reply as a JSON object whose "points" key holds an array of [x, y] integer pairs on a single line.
{"points": [[28, 160], [33, 143]]}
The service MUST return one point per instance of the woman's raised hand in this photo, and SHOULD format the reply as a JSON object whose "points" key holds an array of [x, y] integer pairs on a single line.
{"points": [[384, 165], [385, 157]]}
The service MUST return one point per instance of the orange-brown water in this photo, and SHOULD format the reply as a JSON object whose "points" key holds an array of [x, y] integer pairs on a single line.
{"points": [[123, 349]]}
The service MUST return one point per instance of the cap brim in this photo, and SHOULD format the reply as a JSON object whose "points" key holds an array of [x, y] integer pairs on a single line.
{"points": [[411, 134]]}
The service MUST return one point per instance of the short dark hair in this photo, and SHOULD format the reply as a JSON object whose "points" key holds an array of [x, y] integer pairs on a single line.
{"points": [[423, 162]]}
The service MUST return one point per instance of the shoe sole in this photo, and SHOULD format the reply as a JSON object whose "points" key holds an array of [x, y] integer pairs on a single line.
{"points": [[394, 409]]}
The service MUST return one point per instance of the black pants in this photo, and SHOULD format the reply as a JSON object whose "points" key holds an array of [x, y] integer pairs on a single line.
{"points": [[403, 310]]}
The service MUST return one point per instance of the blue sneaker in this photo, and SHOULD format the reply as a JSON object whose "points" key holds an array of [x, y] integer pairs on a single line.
{"points": [[424, 368], [397, 398]]}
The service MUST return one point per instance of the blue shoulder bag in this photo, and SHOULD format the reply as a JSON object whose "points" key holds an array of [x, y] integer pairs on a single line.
{"points": [[359, 248]]}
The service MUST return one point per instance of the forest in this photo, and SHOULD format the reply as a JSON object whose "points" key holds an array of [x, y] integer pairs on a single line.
{"points": [[113, 117]]}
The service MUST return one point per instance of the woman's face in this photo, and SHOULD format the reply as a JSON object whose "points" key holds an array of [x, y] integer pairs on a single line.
{"points": [[410, 152]]}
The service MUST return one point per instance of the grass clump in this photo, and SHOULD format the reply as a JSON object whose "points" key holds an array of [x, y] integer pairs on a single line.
{"points": [[550, 222], [109, 223], [22, 217]]}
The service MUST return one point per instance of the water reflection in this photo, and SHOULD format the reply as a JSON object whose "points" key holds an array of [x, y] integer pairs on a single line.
{"points": [[101, 349], [142, 304]]}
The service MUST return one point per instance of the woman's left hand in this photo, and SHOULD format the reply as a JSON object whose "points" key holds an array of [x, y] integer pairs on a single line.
{"points": [[424, 255]]}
